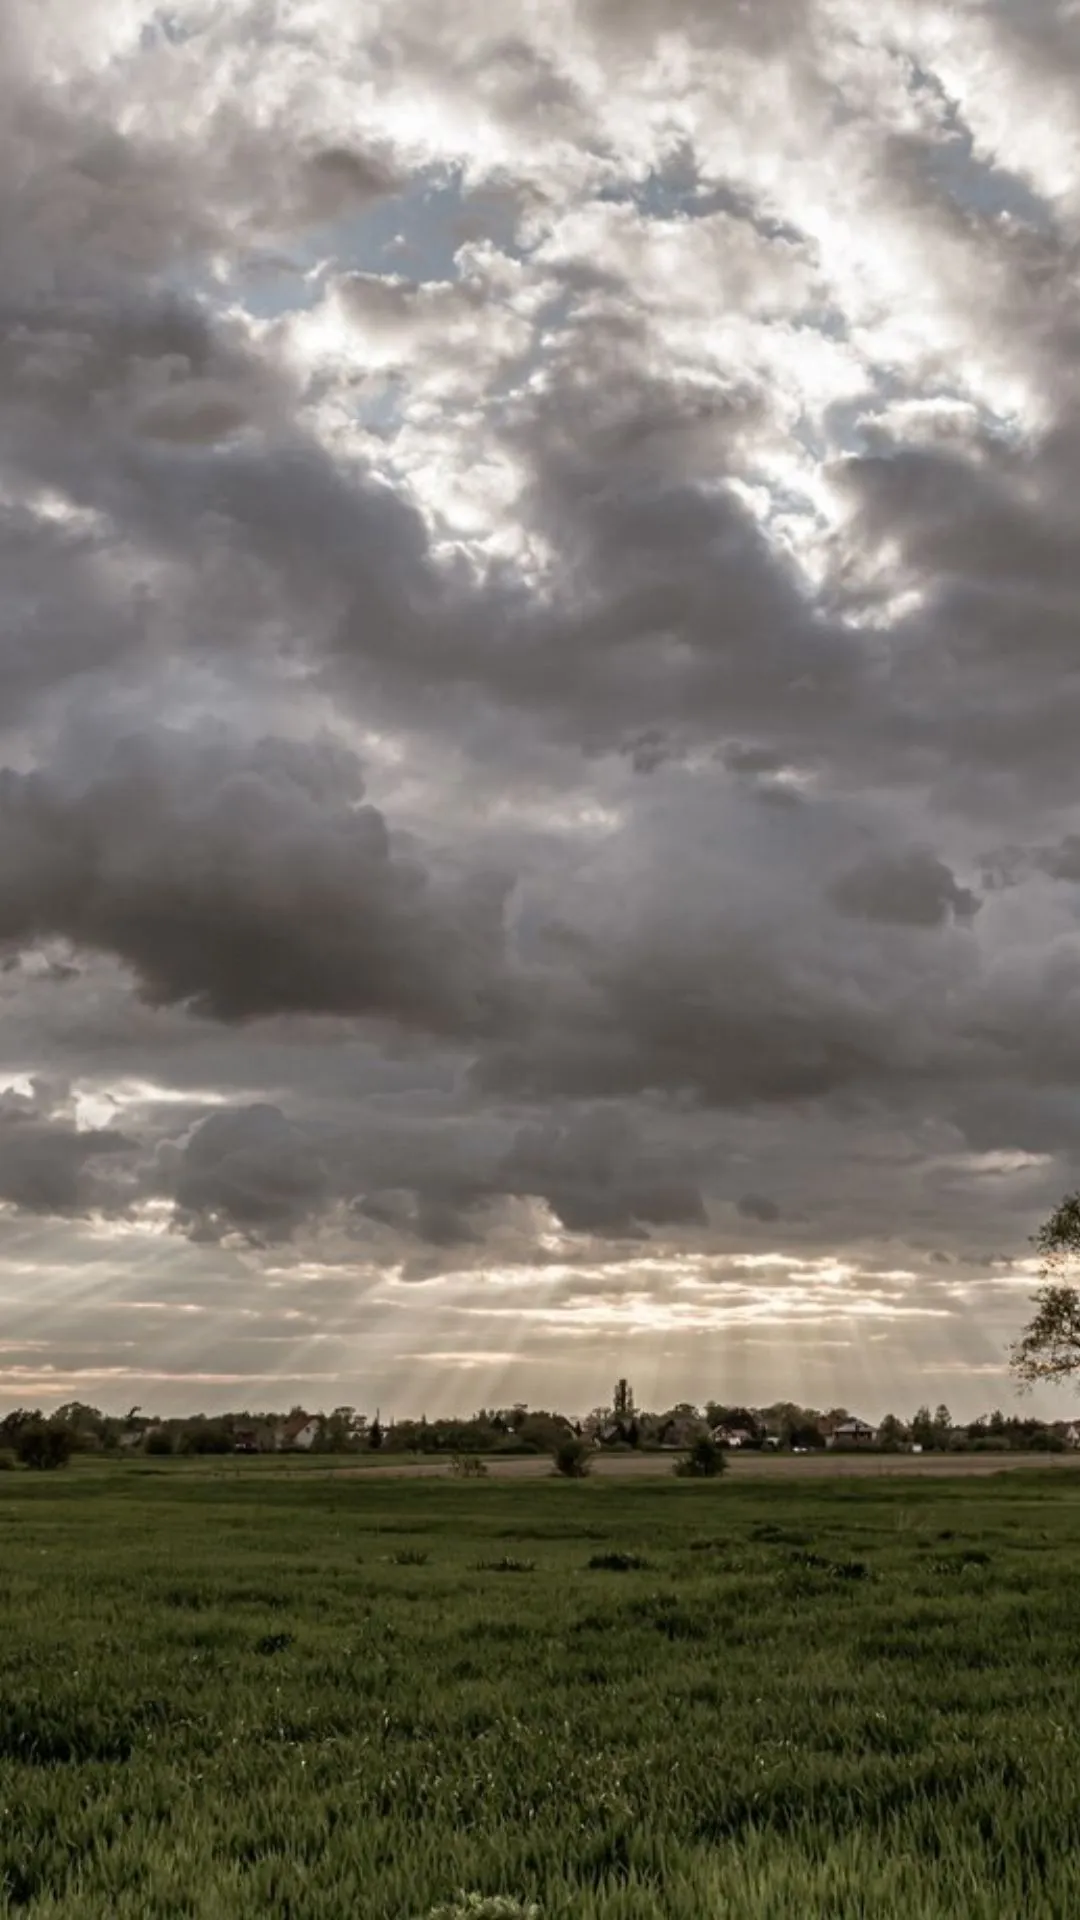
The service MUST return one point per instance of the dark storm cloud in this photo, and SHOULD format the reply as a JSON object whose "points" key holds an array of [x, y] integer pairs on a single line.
{"points": [[756, 1207], [48, 1165], [212, 523], [1061, 862], [597, 1177], [913, 889], [432, 1218], [982, 694], [1010, 866], [63, 615], [250, 1172], [672, 606], [119, 394], [698, 955], [245, 880], [267, 1176]]}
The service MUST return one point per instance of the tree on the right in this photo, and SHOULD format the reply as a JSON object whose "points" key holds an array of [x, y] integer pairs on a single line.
{"points": [[1049, 1347]]}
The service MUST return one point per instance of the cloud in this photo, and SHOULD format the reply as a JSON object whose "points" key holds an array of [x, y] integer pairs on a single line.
{"points": [[914, 889], [128, 149], [249, 1172], [268, 1177], [48, 1165], [757, 1207], [244, 880], [598, 1179], [1061, 862]]}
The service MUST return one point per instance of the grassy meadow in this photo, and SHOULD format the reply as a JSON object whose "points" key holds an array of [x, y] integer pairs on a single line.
{"points": [[227, 1695]]}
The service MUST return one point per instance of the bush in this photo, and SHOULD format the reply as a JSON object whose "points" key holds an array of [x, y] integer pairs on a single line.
{"points": [[507, 1564], [573, 1458], [7, 1460], [468, 1466], [617, 1563], [704, 1461], [44, 1446], [274, 1643], [204, 1436], [160, 1442]]}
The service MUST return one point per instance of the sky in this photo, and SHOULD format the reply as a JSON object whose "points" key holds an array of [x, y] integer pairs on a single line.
{"points": [[539, 691]]}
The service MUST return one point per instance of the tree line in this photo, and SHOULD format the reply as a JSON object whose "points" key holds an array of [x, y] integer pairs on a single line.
{"points": [[47, 1440]]}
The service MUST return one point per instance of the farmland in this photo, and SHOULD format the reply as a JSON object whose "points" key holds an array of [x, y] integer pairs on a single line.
{"points": [[331, 1696]]}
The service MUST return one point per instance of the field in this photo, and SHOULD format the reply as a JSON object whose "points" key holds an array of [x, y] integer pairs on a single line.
{"points": [[230, 1694]]}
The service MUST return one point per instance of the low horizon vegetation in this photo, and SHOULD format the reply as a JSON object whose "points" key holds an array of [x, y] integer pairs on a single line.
{"points": [[520, 1430]]}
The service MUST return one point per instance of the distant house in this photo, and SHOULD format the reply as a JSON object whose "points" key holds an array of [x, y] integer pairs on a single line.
{"points": [[1071, 1434], [853, 1434], [734, 1437], [300, 1432]]}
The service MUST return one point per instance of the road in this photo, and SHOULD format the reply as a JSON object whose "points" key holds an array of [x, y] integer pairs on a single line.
{"points": [[751, 1466]]}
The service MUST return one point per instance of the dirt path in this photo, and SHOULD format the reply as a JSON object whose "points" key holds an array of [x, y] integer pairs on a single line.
{"points": [[749, 1466]]}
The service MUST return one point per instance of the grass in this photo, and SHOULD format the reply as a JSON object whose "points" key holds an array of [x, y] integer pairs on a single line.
{"points": [[226, 1697]]}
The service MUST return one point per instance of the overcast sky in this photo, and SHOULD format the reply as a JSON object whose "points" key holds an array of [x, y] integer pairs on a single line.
{"points": [[539, 697]]}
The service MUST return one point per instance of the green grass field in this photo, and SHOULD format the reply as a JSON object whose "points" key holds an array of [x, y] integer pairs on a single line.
{"points": [[230, 1695]]}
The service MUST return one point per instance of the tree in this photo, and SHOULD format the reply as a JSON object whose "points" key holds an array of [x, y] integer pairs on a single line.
{"points": [[573, 1458], [341, 1431], [86, 1424], [943, 1426], [204, 1435], [736, 1419], [542, 1432], [623, 1404], [1049, 1347], [375, 1434], [13, 1424], [922, 1428], [468, 1466], [597, 1422], [892, 1433], [705, 1461], [44, 1445]]}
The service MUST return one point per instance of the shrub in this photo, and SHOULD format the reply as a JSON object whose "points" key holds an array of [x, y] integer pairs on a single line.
{"points": [[273, 1643], [41, 1445], [617, 1563], [410, 1557], [506, 1565], [7, 1460], [468, 1466], [573, 1458], [160, 1442], [704, 1461]]}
